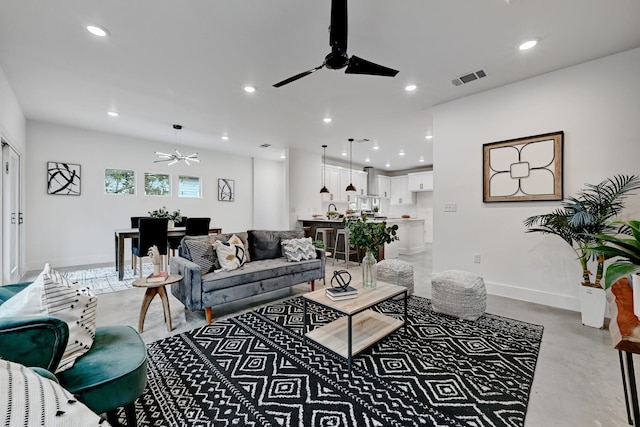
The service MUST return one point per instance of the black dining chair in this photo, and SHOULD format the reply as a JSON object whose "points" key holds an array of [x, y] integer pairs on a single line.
{"points": [[134, 240], [197, 226], [174, 241], [151, 231]]}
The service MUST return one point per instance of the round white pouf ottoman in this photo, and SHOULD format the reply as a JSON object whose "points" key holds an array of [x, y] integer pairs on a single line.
{"points": [[458, 293], [396, 272]]}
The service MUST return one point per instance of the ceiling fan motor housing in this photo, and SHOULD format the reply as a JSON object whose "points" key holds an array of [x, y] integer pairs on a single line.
{"points": [[336, 60]]}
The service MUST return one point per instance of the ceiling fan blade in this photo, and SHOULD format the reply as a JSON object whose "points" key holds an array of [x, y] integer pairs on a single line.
{"points": [[297, 76], [162, 160], [338, 27], [362, 66]]}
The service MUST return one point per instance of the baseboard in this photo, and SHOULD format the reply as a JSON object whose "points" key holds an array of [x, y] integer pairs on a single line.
{"points": [[65, 262], [566, 302]]}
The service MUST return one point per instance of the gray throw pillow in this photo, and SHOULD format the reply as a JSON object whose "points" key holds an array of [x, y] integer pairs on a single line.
{"points": [[202, 253], [298, 249], [265, 244]]}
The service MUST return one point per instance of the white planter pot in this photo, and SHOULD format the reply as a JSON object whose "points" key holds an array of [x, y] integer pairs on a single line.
{"points": [[171, 224], [635, 283], [593, 303]]}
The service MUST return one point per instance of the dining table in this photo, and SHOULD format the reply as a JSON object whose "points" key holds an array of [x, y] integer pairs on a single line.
{"points": [[131, 233]]}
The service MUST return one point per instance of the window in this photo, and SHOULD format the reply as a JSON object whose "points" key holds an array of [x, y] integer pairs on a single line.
{"points": [[119, 181], [157, 184], [189, 186]]}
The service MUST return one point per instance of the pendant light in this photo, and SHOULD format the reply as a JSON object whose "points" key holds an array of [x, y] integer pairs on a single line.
{"points": [[176, 156], [324, 189], [350, 187]]}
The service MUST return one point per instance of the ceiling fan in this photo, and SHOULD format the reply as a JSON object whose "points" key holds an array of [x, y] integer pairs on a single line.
{"points": [[338, 57], [176, 156]]}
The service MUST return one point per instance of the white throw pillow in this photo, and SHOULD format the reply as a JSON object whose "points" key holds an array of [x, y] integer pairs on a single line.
{"points": [[230, 256], [235, 240], [298, 249], [53, 295], [27, 399]]}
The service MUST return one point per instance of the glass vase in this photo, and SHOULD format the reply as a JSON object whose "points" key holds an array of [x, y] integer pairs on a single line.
{"points": [[369, 271]]}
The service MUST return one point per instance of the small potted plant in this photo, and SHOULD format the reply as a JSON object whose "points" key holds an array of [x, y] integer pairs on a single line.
{"points": [[370, 236], [173, 217], [581, 222], [333, 215]]}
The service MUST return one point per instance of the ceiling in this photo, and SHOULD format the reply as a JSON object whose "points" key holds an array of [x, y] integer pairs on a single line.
{"points": [[187, 62]]}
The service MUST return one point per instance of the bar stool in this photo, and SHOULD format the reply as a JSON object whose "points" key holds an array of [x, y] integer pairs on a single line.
{"points": [[324, 234], [347, 247]]}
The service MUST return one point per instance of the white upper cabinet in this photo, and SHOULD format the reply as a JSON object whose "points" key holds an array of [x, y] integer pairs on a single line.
{"points": [[332, 181], [400, 194], [420, 181], [360, 178], [384, 186], [337, 180]]}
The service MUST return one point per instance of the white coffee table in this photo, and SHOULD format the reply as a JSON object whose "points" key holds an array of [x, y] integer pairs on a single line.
{"points": [[360, 327]]}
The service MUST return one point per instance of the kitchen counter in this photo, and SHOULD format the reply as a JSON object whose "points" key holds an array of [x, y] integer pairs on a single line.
{"points": [[410, 233]]}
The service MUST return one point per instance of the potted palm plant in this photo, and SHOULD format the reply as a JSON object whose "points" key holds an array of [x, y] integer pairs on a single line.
{"points": [[580, 222], [627, 248], [370, 236]]}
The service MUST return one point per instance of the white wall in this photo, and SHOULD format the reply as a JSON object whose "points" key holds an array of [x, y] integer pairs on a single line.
{"points": [[12, 130], [75, 230], [304, 183], [597, 105], [269, 209]]}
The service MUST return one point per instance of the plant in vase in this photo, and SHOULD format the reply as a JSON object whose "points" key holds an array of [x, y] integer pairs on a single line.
{"points": [[370, 236], [628, 250], [580, 222], [174, 216]]}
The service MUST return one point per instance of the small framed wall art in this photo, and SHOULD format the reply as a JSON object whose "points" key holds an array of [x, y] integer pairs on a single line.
{"points": [[523, 169], [63, 178], [226, 190]]}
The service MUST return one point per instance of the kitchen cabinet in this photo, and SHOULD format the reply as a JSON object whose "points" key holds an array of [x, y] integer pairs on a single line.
{"points": [[358, 179], [384, 186], [420, 181], [332, 181], [400, 194]]}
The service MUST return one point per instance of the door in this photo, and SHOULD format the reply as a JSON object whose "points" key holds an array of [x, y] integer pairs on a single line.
{"points": [[11, 215]]}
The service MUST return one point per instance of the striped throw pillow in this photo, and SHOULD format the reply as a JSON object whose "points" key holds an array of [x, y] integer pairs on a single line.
{"points": [[298, 249]]}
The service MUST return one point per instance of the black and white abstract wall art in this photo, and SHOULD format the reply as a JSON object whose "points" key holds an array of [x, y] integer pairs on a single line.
{"points": [[63, 178], [226, 190], [523, 169]]}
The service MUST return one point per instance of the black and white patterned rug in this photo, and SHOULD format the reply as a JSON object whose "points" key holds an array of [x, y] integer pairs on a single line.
{"points": [[256, 370]]}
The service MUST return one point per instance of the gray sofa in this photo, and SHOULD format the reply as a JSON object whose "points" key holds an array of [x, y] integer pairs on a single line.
{"points": [[266, 270]]}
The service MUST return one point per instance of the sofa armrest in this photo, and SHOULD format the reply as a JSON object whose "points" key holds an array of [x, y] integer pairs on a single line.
{"points": [[322, 255], [189, 289], [33, 341]]}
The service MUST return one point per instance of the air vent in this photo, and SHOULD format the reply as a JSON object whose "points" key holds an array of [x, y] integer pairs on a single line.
{"points": [[265, 145], [468, 78]]}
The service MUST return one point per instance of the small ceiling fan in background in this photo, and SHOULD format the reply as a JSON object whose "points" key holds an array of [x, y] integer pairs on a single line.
{"points": [[176, 156], [338, 57]]}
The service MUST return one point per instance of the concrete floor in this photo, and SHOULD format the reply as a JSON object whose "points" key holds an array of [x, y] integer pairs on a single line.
{"points": [[577, 380]]}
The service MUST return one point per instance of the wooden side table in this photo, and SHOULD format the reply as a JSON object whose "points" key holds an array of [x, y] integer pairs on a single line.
{"points": [[625, 335], [153, 289]]}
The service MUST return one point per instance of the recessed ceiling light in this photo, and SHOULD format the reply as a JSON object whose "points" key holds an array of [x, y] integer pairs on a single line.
{"points": [[528, 44], [410, 88], [225, 138], [388, 165], [401, 153], [113, 113], [97, 30], [327, 120], [344, 153], [367, 160], [282, 156], [421, 160], [429, 136], [249, 89], [375, 147]]}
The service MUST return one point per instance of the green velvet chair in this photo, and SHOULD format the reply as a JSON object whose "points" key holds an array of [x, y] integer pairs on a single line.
{"points": [[112, 374]]}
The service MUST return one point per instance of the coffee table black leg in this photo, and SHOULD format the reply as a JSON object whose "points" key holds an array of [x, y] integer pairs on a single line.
{"points": [[406, 320], [304, 317], [349, 345]]}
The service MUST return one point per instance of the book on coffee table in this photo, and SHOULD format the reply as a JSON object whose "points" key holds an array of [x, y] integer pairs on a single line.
{"points": [[341, 297], [340, 291]]}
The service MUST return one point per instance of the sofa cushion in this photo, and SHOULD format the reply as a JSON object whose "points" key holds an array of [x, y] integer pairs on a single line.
{"points": [[296, 250], [53, 295], [256, 271], [184, 252], [265, 244]]}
